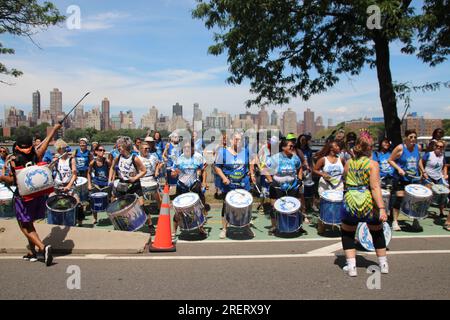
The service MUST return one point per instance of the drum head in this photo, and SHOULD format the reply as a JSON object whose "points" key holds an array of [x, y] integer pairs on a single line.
{"points": [[61, 203], [365, 238], [239, 198], [333, 196], [418, 191], [186, 200], [122, 203], [99, 195], [81, 181], [287, 205], [385, 193], [440, 189]]}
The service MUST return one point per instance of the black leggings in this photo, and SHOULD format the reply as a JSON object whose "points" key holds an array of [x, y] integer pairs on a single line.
{"points": [[348, 238]]}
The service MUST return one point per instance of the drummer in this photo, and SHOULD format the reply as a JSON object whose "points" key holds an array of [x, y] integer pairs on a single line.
{"points": [[435, 167], [189, 168], [4, 170], [232, 166], [219, 148], [284, 173], [171, 152], [406, 161], [386, 170], [302, 145], [150, 159], [29, 211], [329, 167], [65, 175], [98, 174], [363, 203], [83, 157]]}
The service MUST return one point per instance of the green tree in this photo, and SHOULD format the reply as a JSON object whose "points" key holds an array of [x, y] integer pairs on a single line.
{"points": [[291, 48], [24, 18], [446, 126]]}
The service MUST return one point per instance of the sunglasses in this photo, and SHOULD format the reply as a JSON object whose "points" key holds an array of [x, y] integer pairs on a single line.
{"points": [[101, 150], [412, 137], [146, 148], [437, 147]]}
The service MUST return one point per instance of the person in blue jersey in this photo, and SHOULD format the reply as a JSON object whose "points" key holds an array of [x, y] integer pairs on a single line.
{"points": [[4, 171], [284, 173], [217, 180], [136, 146], [302, 147], [171, 153], [233, 166], [405, 159], [435, 168], [159, 144], [48, 155], [189, 168], [382, 157], [199, 145], [98, 173], [82, 158]]}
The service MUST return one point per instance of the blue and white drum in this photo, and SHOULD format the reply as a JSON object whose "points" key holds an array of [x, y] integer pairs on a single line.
{"points": [[126, 214], [364, 237], [81, 187], [6, 202], [62, 210], [149, 187], [189, 211], [288, 214], [416, 201], [331, 202], [440, 194], [99, 201], [238, 208]]}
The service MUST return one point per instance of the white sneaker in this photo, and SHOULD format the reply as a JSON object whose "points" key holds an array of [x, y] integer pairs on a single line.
{"points": [[352, 272], [395, 226], [384, 267], [223, 234]]}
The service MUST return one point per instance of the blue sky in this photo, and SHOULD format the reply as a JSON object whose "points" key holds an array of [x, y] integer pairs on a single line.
{"points": [[145, 53]]}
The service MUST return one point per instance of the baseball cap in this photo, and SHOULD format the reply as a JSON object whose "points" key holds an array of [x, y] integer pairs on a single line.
{"points": [[149, 139], [291, 136], [85, 140]]}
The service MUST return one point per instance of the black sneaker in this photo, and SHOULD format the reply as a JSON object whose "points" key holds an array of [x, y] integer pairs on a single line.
{"points": [[152, 229], [30, 257], [48, 256]]}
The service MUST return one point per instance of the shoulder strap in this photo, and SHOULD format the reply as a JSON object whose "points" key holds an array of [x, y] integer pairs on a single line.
{"points": [[133, 157]]}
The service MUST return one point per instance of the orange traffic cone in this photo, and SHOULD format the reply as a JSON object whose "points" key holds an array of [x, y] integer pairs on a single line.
{"points": [[163, 237]]}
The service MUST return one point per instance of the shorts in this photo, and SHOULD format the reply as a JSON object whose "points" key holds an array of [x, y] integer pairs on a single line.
{"points": [[349, 219], [30, 211]]}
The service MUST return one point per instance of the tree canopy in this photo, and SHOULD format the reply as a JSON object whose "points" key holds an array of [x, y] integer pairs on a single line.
{"points": [[291, 48], [24, 18]]}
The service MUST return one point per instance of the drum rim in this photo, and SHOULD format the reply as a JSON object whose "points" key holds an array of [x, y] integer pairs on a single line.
{"points": [[187, 206], [132, 204], [445, 189], [293, 211], [420, 187], [247, 194], [93, 195], [60, 196], [82, 179], [330, 200]]}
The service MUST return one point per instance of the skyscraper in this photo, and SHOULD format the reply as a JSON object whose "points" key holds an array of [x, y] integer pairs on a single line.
{"points": [[289, 122], [309, 121], [105, 123], [263, 118], [36, 107], [55, 103], [330, 123], [177, 110], [197, 112], [274, 118]]}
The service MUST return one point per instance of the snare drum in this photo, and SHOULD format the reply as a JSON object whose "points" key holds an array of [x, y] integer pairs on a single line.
{"points": [[308, 190], [126, 214], [364, 237], [238, 208], [386, 198], [81, 188], [416, 202], [331, 203], [189, 211], [99, 201], [288, 215], [440, 194], [61, 210], [6, 202], [149, 187]]}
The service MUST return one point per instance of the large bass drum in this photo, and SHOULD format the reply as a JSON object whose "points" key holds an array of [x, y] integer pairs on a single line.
{"points": [[62, 210]]}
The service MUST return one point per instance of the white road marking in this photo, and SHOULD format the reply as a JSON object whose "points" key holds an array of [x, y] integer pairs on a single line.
{"points": [[225, 257], [328, 249]]}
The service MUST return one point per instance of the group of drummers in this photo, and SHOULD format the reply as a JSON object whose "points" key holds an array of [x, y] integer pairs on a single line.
{"points": [[349, 180]]}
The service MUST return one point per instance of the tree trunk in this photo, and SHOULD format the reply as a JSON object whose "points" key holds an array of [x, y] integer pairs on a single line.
{"points": [[387, 95]]}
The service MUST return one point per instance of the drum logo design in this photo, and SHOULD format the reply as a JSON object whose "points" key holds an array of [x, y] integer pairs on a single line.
{"points": [[36, 177]]}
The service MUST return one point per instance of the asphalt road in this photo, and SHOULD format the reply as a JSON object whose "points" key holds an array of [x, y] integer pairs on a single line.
{"points": [[243, 271]]}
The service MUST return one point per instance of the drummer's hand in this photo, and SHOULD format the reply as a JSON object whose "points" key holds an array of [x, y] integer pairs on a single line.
{"points": [[253, 178], [446, 177], [58, 126], [66, 189], [383, 215], [90, 187], [401, 172], [132, 180], [425, 175], [327, 177], [226, 181]]}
